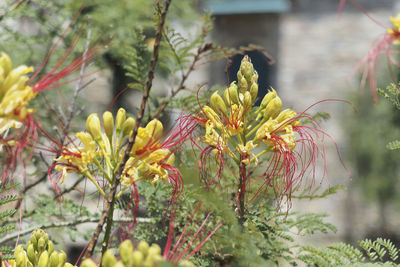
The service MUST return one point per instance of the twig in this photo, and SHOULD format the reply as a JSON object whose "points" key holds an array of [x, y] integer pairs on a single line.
{"points": [[81, 220], [181, 85], [109, 206]]}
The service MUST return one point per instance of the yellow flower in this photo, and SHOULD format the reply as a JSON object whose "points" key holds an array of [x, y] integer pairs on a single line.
{"points": [[394, 32], [147, 139], [212, 138], [14, 94]]}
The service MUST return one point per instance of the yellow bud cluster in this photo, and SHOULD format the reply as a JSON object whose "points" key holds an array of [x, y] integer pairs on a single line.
{"points": [[40, 252], [247, 78], [15, 94], [143, 256]]}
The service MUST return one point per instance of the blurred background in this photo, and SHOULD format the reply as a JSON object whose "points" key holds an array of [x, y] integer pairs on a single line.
{"points": [[314, 51]]}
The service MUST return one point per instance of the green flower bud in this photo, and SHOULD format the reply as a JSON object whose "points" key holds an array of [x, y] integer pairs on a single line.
{"points": [[247, 101], [143, 247], [120, 119], [231, 94], [93, 126], [31, 254], [254, 91], [267, 98], [62, 258], [54, 259], [88, 263], [33, 241], [126, 252], [137, 258], [50, 247], [243, 85], [154, 250], [43, 259], [217, 103], [128, 126], [20, 257], [108, 121], [108, 260], [273, 108], [41, 244]]}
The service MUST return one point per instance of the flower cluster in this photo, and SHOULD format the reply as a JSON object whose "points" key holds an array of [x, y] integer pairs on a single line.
{"points": [[105, 149], [234, 126], [15, 94]]}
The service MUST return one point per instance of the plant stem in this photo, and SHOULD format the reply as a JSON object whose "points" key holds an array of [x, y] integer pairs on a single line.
{"points": [[241, 189], [109, 207]]}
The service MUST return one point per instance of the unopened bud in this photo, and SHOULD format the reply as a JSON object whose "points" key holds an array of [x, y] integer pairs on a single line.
{"points": [[108, 121], [247, 100], [217, 103], [93, 126], [54, 259], [128, 126], [43, 259], [243, 85], [126, 252], [120, 119], [137, 258], [154, 250], [155, 127], [62, 258], [254, 91], [286, 114], [88, 263], [41, 244], [231, 94], [5, 63], [108, 260], [50, 247], [31, 254], [273, 108], [267, 98], [143, 247]]}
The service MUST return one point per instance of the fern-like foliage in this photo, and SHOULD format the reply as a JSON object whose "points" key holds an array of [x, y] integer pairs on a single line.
{"points": [[393, 145], [391, 93], [7, 198], [381, 252], [136, 59]]}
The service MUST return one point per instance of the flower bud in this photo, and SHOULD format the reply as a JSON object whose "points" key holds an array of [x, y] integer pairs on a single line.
{"points": [[120, 119], [20, 256], [33, 241], [267, 98], [143, 247], [5, 63], [154, 250], [93, 126], [231, 94], [213, 117], [243, 85], [247, 100], [286, 114], [54, 259], [138, 258], [273, 108], [31, 254], [128, 126], [88, 263], [43, 259], [50, 247], [41, 244], [155, 127], [108, 122], [217, 103], [254, 91], [62, 258], [108, 260], [126, 252]]}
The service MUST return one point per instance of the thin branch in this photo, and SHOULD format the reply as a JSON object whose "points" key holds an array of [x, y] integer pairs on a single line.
{"points": [[181, 85], [81, 220], [108, 209]]}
